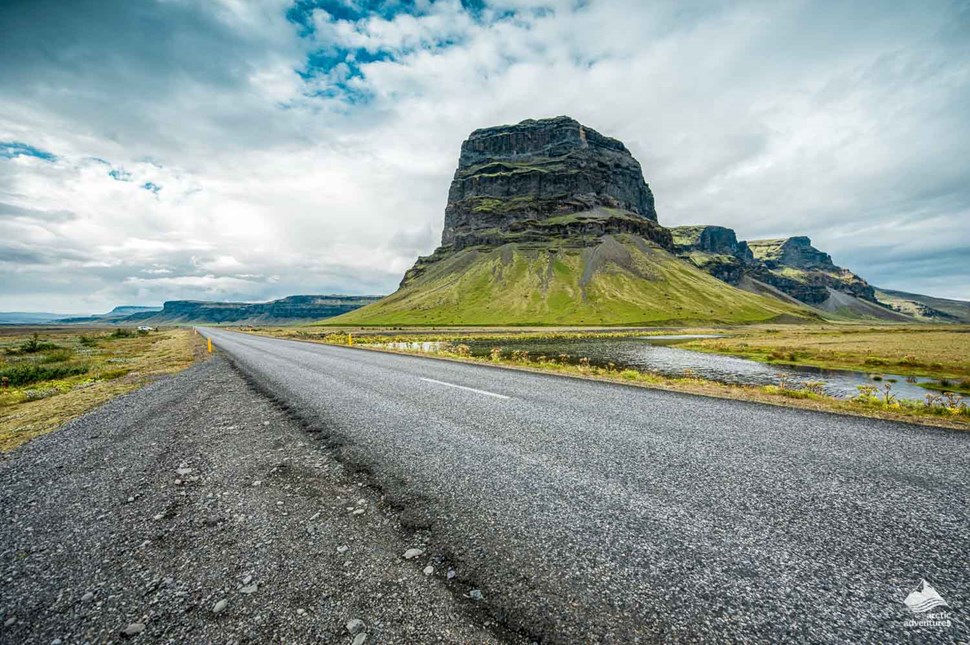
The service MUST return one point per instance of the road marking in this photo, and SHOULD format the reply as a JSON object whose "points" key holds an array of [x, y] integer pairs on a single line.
{"points": [[462, 387]]}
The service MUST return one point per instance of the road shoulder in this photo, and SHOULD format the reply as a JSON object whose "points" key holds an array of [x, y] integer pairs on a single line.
{"points": [[150, 511]]}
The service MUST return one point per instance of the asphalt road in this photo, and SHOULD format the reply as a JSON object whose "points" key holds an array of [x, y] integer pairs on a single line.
{"points": [[588, 511]]}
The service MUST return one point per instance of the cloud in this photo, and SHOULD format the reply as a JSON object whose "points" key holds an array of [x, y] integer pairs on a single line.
{"points": [[183, 149]]}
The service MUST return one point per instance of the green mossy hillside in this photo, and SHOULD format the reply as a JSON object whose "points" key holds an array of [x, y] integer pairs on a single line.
{"points": [[621, 280]]}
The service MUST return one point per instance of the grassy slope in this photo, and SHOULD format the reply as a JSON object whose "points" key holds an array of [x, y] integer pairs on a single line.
{"points": [[623, 280]]}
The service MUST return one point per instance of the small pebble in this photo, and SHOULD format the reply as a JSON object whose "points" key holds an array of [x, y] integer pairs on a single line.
{"points": [[451, 574], [249, 588], [301, 611], [219, 606], [133, 629], [158, 517], [475, 594], [358, 511], [131, 499], [342, 549], [355, 625], [86, 597], [10, 621], [247, 580], [428, 570], [360, 639], [410, 554], [257, 482], [56, 641]]}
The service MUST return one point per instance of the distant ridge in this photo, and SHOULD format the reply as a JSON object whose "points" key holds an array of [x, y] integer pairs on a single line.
{"points": [[283, 311]]}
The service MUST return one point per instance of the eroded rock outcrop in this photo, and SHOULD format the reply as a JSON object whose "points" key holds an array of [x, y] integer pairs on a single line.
{"points": [[796, 267], [534, 175], [714, 249]]}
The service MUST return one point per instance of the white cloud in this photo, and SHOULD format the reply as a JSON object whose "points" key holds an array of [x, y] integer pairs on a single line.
{"points": [[846, 123]]}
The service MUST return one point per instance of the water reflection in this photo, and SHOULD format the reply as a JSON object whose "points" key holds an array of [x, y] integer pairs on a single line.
{"points": [[660, 354]]}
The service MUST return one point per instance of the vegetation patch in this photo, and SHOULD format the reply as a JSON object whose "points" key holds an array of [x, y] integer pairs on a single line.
{"points": [[548, 284], [937, 351], [50, 376]]}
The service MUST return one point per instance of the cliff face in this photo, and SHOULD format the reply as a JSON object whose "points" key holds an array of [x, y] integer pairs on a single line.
{"points": [[791, 265], [538, 170], [803, 272], [715, 249]]}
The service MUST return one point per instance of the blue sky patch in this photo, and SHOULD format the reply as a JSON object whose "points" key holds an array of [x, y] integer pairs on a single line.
{"points": [[119, 174], [13, 149], [153, 187], [301, 13]]}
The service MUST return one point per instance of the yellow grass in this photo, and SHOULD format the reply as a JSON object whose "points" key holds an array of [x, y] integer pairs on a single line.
{"points": [[117, 366], [940, 351]]}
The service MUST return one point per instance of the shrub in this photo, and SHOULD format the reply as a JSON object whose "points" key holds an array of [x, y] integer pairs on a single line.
{"points": [[496, 354], [25, 374], [33, 345], [57, 356], [867, 393], [122, 332], [463, 350]]}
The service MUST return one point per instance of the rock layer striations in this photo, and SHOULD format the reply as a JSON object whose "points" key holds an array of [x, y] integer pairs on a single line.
{"points": [[528, 179]]}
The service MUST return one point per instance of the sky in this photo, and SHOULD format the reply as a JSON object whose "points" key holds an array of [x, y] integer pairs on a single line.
{"points": [[231, 150]]}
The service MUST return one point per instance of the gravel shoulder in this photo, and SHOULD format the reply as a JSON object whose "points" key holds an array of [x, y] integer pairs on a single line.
{"points": [[195, 510]]}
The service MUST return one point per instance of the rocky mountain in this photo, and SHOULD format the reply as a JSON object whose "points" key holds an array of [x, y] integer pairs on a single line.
{"points": [[531, 180], [925, 308], [799, 269], [550, 222], [786, 268], [714, 249], [283, 311]]}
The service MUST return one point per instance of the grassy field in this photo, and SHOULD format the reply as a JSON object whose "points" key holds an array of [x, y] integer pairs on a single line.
{"points": [[623, 280], [55, 374], [931, 351], [941, 352]]}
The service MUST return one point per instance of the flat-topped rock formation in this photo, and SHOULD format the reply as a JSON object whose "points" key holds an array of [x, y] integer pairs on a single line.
{"points": [[512, 178]]}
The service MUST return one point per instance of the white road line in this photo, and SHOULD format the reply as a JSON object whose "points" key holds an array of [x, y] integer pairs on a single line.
{"points": [[462, 387]]}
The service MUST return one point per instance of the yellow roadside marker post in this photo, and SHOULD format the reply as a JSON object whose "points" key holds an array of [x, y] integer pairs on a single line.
{"points": [[210, 345], [350, 339]]}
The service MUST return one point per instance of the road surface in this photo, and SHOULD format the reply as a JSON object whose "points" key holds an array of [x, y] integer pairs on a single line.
{"points": [[589, 511], [148, 512]]}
